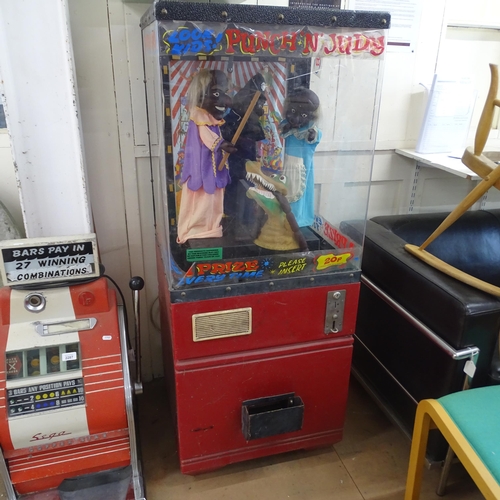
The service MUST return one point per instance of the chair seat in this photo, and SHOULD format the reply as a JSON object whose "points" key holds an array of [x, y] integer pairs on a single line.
{"points": [[477, 414]]}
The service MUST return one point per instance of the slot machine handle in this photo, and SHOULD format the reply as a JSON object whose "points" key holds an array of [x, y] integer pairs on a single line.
{"points": [[136, 284]]}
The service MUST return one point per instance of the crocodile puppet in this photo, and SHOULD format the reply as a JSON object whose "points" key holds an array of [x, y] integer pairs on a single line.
{"points": [[280, 231]]}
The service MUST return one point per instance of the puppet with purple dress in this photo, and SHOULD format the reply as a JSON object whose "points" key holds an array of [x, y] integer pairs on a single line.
{"points": [[301, 139], [202, 199]]}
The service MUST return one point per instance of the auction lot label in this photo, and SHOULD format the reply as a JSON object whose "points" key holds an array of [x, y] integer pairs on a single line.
{"points": [[42, 260]]}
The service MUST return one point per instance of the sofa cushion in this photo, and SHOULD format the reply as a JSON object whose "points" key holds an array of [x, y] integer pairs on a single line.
{"points": [[471, 244]]}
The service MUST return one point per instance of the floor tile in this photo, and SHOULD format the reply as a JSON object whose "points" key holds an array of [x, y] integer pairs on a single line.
{"points": [[376, 453], [370, 463], [296, 475]]}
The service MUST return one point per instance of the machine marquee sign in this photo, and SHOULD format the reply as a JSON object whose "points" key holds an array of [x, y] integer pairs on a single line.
{"points": [[279, 266], [48, 259], [218, 270], [302, 42]]}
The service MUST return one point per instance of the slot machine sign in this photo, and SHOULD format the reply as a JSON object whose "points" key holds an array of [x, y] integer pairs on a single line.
{"points": [[43, 260]]}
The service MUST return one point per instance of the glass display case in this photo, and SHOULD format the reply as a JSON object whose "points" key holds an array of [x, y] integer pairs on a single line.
{"points": [[265, 121], [277, 199]]}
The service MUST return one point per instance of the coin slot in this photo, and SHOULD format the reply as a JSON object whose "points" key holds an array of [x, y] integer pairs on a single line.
{"points": [[34, 302]]}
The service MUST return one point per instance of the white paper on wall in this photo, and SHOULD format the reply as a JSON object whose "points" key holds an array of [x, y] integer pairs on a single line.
{"points": [[447, 115]]}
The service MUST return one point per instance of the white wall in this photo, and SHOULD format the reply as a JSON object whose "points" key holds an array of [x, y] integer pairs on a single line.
{"points": [[8, 184], [108, 62], [482, 13], [443, 49], [468, 51], [106, 39]]}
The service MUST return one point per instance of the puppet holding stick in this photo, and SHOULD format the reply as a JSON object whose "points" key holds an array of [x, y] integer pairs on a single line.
{"points": [[202, 180], [244, 130], [301, 139]]}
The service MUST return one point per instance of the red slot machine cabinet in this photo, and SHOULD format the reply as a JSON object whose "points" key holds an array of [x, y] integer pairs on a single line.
{"points": [[67, 427], [258, 284]]}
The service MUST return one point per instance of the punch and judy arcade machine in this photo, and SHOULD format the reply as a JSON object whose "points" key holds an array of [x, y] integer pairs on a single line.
{"points": [[265, 119], [66, 396]]}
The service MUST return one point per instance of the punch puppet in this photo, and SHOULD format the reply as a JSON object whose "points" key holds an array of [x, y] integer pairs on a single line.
{"points": [[251, 133], [203, 183], [301, 139]]}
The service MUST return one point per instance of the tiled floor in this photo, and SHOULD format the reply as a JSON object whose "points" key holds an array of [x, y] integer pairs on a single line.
{"points": [[369, 463]]}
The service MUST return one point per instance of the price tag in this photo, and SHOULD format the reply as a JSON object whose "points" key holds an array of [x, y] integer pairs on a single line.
{"points": [[470, 368], [69, 356]]}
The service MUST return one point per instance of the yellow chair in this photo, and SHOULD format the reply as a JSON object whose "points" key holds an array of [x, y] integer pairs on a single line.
{"points": [[470, 422], [490, 173]]}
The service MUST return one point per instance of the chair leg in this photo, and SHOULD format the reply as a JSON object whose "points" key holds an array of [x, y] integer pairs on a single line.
{"points": [[441, 489], [417, 454]]}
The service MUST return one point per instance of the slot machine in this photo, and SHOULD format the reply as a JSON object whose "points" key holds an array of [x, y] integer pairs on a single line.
{"points": [[67, 426], [265, 122]]}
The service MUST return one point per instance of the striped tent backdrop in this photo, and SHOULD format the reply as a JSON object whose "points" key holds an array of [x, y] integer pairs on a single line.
{"points": [[238, 72]]}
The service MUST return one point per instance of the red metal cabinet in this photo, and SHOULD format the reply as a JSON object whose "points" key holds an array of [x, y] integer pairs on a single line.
{"points": [[285, 353]]}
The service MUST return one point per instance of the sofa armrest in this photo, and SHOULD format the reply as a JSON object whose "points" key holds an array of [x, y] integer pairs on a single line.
{"points": [[461, 315]]}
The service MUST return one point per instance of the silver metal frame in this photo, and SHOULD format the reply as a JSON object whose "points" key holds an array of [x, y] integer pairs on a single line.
{"points": [[4, 473], [471, 353], [137, 480], [467, 353]]}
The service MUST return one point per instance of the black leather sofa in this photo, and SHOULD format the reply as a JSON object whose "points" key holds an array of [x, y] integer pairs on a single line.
{"points": [[416, 326]]}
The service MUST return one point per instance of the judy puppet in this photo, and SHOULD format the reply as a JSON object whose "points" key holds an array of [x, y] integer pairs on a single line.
{"points": [[202, 199], [301, 138]]}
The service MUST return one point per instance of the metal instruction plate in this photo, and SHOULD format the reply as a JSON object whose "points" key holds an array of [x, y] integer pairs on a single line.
{"points": [[43, 260], [45, 397]]}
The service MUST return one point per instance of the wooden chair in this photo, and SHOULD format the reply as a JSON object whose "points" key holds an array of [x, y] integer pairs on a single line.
{"points": [[490, 173], [470, 422]]}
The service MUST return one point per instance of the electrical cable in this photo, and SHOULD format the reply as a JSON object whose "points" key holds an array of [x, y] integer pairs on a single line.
{"points": [[125, 314], [152, 314]]}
